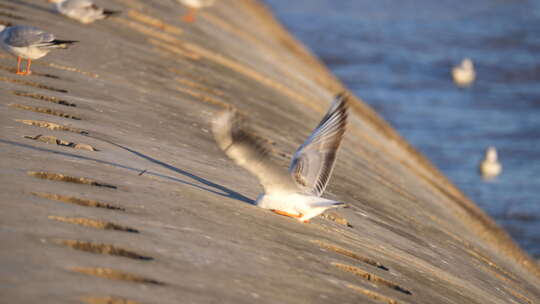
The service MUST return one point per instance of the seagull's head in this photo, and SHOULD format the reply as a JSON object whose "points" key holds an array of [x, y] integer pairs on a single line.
{"points": [[491, 154], [467, 63]]}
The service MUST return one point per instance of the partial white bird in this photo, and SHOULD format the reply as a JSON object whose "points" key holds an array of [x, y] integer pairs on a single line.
{"points": [[296, 193], [29, 42], [464, 74], [84, 11], [490, 166], [193, 7]]}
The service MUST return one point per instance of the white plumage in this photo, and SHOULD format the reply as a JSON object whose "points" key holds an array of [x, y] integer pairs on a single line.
{"points": [[464, 74], [84, 11], [197, 4], [193, 7], [295, 193], [490, 166], [30, 43]]}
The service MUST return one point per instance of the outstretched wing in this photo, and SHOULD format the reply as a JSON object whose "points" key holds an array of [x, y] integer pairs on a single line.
{"points": [[249, 151], [313, 162]]}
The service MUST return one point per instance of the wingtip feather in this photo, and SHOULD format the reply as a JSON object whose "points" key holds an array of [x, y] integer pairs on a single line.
{"points": [[109, 13], [222, 127]]}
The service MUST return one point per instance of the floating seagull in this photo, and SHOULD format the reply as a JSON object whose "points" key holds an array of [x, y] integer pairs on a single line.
{"points": [[193, 6], [490, 166], [296, 193], [464, 74], [84, 11], [29, 42]]}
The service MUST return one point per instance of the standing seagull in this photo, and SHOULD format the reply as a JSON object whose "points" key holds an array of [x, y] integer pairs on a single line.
{"points": [[29, 42], [296, 193], [84, 11], [193, 6], [464, 73]]}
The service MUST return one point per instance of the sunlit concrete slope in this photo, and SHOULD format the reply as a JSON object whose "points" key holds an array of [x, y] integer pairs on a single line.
{"points": [[114, 191]]}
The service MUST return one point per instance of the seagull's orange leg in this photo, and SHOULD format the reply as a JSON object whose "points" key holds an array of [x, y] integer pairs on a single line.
{"points": [[19, 72], [190, 17], [288, 214], [28, 64]]}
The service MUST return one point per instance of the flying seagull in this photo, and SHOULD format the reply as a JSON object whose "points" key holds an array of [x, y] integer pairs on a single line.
{"points": [[29, 42], [296, 193], [193, 6], [84, 11]]}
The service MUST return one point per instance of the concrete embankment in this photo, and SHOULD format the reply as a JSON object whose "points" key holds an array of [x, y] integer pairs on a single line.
{"points": [[113, 190]]}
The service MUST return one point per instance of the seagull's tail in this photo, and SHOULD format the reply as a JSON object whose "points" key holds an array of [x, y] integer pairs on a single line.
{"points": [[317, 207], [109, 13], [327, 204], [61, 44]]}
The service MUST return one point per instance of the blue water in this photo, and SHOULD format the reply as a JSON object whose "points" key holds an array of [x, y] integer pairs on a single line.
{"points": [[397, 55]]}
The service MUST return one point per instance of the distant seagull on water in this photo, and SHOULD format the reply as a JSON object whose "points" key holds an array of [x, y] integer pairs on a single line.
{"points": [[29, 42], [295, 193], [193, 7], [490, 166], [464, 74], [84, 11]]}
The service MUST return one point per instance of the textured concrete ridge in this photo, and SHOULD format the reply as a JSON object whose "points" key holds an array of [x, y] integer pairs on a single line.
{"points": [[113, 190]]}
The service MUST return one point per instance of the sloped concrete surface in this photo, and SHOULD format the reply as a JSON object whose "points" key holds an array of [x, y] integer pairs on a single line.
{"points": [[113, 190]]}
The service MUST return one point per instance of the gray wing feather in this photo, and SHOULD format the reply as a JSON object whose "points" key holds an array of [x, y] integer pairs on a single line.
{"points": [[23, 36], [74, 4], [249, 151], [81, 6], [313, 162]]}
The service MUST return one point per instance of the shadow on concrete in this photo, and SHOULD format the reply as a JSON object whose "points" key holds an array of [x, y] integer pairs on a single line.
{"points": [[34, 6], [212, 187]]}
